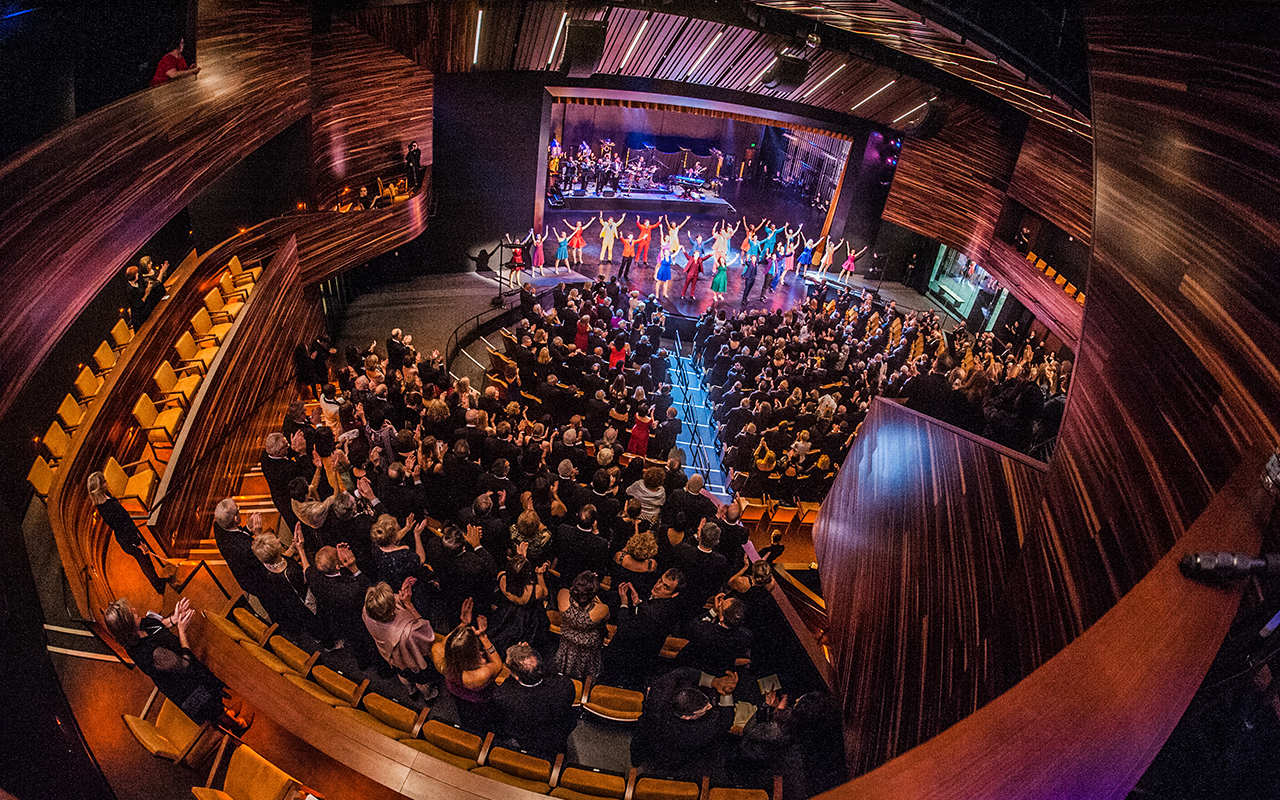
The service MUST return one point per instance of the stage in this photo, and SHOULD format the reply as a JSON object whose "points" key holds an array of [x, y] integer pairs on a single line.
{"points": [[649, 203]]}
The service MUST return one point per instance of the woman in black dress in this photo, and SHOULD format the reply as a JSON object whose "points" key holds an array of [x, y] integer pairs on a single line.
{"points": [[126, 532]]}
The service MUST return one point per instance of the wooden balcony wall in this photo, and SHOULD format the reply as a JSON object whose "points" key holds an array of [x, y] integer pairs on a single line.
{"points": [[81, 201], [1054, 178], [370, 102], [1175, 382], [1058, 310], [951, 187]]}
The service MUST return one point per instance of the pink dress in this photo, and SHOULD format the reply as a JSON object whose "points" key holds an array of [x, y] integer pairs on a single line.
{"points": [[538, 259]]}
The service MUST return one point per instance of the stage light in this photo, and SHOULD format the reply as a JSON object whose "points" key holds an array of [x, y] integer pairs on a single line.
{"points": [[873, 94], [912, 111], [706, 50], [767, 67], [556, 41], [824, 80], [475, 53], [896, 143], [634, 42]]}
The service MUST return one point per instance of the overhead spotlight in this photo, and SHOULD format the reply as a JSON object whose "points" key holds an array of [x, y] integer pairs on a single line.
{"points": [[896, 143]]}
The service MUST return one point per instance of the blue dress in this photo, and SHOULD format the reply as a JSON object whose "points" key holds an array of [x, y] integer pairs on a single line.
{"points": [[562, 251], [806, 257], [664, 268]]}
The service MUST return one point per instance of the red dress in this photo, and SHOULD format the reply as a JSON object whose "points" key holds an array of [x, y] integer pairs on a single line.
{"points": [[576, 239], [638, 444]]}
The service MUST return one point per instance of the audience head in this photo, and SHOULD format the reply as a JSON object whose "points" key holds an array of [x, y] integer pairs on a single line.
{"points": [[299, 489], [380, 602], [276, 445], [97, 485], [267, 549], [709, 536], [525, 663], [227, 514], [654, 478], [694, 484], [584, 588], [327, 560], [671, 584], [690, 704], [121, 622], [385, 531], [462, 652], [642, 546]]}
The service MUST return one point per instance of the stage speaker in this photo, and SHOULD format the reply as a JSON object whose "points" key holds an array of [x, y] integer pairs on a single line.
{"points": [[927, 123], [608, 192], [583, 47], [579, 192], [787, 74]]}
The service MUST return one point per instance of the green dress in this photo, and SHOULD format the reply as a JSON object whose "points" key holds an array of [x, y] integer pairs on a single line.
{"points": [[721, 281]]}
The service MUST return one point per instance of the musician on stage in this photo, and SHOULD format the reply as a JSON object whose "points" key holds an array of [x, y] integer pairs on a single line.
{"points": [[608, 232]]}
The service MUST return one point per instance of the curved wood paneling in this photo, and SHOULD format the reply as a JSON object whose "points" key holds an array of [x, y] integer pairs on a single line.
{"points": [[1175, 379], [1046, 299], [1088, 722], [914, 544], [370, 102], [950, 187], [81, 201], [1054, 178]]}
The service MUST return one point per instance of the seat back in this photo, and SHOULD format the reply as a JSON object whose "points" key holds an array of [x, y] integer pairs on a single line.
{"points": [[41, 476], [186, 346], [213, 301], [520, 765], [87, 384], [391, 713], [252, 777], [657, 789], [121, 333], [202, 323], [104, 357], [177, 727], [451, 739], [144, 411], [622, 705], [70, 412], [336, 684], [299, 660], [117, 481], [592, 782], [234, 267], [56, 440], [254, 627], [166, 378]]}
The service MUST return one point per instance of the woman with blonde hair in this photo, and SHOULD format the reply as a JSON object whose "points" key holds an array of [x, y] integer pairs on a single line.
{"points": [[403, 637], [635, 563], [127, 535]]}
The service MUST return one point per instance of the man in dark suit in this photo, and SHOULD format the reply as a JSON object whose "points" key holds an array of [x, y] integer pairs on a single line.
{"points": [[689, 501], [535, 709], [703, 567], [281, 462], [235, 543], [339, 588], [579, 547], [682, 732], [643, 626]]}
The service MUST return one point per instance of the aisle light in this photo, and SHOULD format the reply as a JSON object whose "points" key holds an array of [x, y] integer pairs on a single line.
{"points": [[767, 67], [705, 50], [634, 42], [824, 80], [556, 41], [873, 94], [475, 54]]}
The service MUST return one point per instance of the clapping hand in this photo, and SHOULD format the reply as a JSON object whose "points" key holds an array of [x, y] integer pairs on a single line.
{"points": [[406, 590], [468, 608]]}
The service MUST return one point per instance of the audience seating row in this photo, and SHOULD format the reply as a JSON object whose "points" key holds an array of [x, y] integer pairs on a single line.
{"points": [[460, 748], [1059, 279]]}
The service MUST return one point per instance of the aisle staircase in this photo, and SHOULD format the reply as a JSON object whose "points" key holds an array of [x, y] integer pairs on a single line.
{"points": [[697, 439]]}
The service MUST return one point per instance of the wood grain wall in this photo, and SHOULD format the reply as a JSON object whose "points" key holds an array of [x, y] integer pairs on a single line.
{"points": [[81, 201], [1175, 376], [951, 187], [1060, 313], [1054, 178], [370, 102]]}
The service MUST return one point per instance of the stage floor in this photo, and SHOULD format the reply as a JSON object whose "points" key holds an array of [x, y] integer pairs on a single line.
{"points": [[649, 202]]}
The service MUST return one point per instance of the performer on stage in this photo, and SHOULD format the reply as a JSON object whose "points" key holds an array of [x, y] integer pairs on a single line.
{"points": [[850, 263], [539, 259], [562, 250], [608, 232], [721, 280], [662, 276], [769, 242], [722, 234], [697, 245], [805, 260], [692, 270], [776, 263], [752, 248], [576, 240], [671, 241], [828, 257], [789, 252], [516, 265], [749, 272], [628, 255], [751, 232], [646, 235]]}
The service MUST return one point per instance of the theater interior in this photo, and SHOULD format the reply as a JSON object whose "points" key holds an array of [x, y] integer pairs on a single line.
{"points": [[989, 623]]}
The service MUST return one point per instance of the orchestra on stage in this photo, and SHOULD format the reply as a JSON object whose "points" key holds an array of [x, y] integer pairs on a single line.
{"points": [[607, 169]]}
